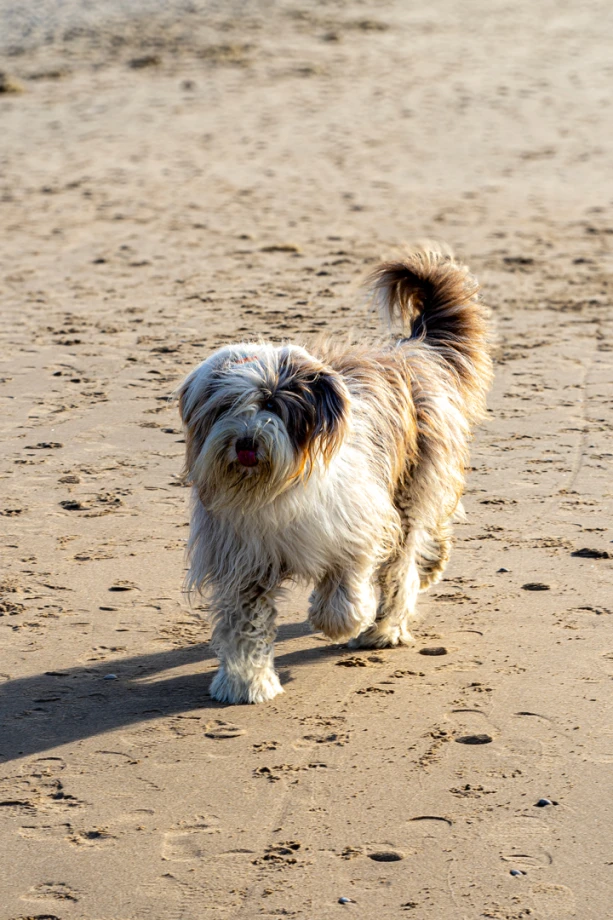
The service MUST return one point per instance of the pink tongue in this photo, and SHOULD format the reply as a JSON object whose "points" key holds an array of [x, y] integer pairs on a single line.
{"points": [[247, 457]]}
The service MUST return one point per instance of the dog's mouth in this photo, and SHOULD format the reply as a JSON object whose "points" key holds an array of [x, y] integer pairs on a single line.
{"points": [[247, 457], [247, 452]]}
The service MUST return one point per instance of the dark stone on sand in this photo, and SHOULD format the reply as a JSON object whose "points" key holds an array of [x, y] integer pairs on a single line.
{"points": [[474, 739], [535, 586], [147, 60], [386, 856], [433, 650], [44, 445], [587, 553], [72, 505]]}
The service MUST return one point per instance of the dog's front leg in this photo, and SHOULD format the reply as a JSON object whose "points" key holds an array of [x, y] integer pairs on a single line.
{"points": [[243, 637], [343, 602]]}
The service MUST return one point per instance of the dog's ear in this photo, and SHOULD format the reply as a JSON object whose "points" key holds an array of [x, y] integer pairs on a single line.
{"points": [[186, 410], [199, 384], [182, 393], [331, 404], [191, 395]]}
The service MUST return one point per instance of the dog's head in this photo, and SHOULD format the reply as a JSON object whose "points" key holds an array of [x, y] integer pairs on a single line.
{"points": [[259, 419]]}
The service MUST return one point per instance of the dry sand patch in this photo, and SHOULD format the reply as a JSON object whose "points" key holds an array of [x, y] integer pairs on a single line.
{"points": [[173, 182]]}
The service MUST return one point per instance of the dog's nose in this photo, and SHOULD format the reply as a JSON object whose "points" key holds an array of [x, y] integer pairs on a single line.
{"points": [[247, 451]]}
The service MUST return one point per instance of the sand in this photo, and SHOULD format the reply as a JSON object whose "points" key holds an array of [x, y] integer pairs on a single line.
{"points": [[173, 181]]}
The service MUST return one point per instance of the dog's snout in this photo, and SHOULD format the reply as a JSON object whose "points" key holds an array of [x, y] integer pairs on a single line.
{"points": [[247, 451], [246, 444]]}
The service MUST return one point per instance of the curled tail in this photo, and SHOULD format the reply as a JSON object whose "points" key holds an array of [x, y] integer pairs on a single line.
{"points": [[434, 300]]}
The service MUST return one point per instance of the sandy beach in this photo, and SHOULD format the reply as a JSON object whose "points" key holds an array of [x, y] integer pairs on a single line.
{"points": [[195, 174]]}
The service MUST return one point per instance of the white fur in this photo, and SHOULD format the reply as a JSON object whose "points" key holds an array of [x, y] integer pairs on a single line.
{"points": [[333, 528], [358, 467]]}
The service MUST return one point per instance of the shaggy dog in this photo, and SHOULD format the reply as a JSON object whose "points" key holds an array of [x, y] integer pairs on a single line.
{"points": [[342, 466]]}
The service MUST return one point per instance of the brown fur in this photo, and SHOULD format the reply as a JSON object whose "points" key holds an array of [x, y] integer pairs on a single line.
{"points": [[436, 301], [360, 452]]}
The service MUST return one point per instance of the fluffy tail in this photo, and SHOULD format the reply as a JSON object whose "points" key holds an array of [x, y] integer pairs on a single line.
{"points": [[434, 298]]}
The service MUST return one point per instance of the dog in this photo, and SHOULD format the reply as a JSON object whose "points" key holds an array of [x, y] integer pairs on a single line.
{"points": [[342, 466]]}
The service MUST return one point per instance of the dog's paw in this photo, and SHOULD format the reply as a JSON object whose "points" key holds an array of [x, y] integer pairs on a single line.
{"points": [[381, 636], [337, 617], [333, 628], [259, 687]]}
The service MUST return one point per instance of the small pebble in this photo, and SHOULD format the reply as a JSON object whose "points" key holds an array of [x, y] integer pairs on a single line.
{"points": [[435, 650], [345, 901], [110, 677], [535, 586], [543, 802], [147, 60], [517, 872], [386, 856], [587, 553], [502, 570], [475, 739]]}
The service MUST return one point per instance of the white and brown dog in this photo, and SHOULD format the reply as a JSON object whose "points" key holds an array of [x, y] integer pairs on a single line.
{"points": [[342, 466]]}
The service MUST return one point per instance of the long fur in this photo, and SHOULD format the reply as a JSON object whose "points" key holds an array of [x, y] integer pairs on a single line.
{"points": [[355, 468]]}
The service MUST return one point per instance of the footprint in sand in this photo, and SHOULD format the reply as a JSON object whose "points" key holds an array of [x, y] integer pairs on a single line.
{"points": [[334, 738], [189, 841], [552, 899], [45, 832], [180, 846], [220, 730], [520, 843], [474, 727], [280, 854], [273, 774], [51, 891], [10, 607], [440, 818], [384, 691], [52, 833], [94, 837], [96, 506], [265, 746], [360, 661], [124, 586]]}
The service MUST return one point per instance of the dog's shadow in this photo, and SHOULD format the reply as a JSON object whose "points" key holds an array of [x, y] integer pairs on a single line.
{"points": [[46, 710]]}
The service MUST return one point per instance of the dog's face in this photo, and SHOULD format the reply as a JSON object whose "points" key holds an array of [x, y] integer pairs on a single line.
{"points": [[258, 419]]}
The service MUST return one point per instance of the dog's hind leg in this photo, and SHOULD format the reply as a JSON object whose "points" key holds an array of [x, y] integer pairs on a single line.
{"points": [[243, 637], [399, 582], [433, 549]]}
